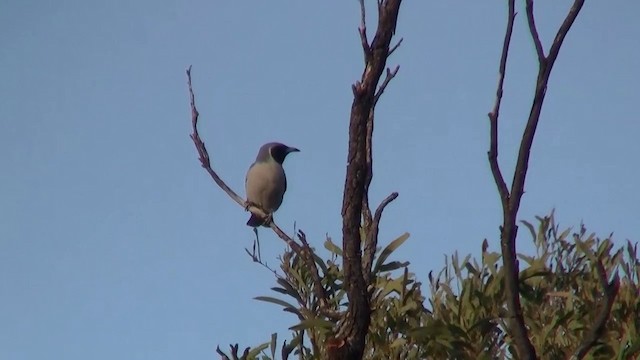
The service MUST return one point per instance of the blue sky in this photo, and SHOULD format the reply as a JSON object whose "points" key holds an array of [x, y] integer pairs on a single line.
{"points": [[115, 244]]}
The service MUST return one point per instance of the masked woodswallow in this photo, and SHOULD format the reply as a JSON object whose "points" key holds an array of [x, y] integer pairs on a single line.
{"points": [[266, 182]]}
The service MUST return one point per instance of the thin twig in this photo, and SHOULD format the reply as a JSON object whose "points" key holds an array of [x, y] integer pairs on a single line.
{"points": [[202, 150], [307, 256], [396, 46], [564, 30], [534, 32], [390, 75], [495, 113], [544, 72], [362, 30], [372, 238], [264, 264]]}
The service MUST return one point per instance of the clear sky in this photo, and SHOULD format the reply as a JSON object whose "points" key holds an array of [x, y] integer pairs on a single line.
{"points": [[115, 244]]}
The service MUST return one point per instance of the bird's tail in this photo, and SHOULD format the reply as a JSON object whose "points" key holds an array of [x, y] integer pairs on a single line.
{"points": [[255, 220]]}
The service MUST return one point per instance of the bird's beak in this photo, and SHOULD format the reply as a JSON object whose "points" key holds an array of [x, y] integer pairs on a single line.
{"points": [[292, 149]]}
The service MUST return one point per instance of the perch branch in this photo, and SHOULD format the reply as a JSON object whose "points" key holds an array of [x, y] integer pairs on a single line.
{"points": [[206, 164]]}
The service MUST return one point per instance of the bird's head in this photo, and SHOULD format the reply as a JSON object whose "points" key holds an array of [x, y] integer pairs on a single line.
{"points": [[276, 151]]}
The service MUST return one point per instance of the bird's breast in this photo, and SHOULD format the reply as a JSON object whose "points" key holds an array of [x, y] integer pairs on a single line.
{"points": [[266, 184]]}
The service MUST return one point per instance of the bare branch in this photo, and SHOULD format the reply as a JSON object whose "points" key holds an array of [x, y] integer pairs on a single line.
{"points": [[563, 31], [366, 209], [372, 237], [610, 291], [362, 30], [534, 32], [202, 150], [367, 218], [544, 72], [518, 328], [511, 198], [390, 75], [206, 164], [495, 113], [396, 46]]}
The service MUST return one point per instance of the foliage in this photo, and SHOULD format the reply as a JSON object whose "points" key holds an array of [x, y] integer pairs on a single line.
{"points": [[464, 315]]}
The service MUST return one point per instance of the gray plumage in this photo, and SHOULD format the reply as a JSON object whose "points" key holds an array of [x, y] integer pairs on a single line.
{"points": [[266, 182]]}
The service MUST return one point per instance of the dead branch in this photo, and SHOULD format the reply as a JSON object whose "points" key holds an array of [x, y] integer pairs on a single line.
{"points": [[206, 164], [303, 251], [372, 238], [390, 75], [362, 30], [495, 113], [350, 340], [510, 199], [534, 31]]}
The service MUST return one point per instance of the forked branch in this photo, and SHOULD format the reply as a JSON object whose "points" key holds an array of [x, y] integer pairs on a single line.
{"points": [[349, 342], [510, 198]]}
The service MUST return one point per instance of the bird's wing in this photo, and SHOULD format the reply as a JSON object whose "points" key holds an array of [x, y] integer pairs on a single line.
{"points": [[246, 177]]}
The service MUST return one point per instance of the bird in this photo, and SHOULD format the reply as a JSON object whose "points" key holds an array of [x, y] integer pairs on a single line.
{"points": [[266, 182]]}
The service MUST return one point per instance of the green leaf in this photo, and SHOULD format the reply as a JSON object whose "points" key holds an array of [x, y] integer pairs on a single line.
{"points": [[532, 230], [388, 250], [256, 350], [294, 343], [295, 312], [288, 289], [394, 265], [435, 329], [320, 262], [274, 301], [274, 338], [313, 323], [564, 234], [490, 259], [329, 245], [392, 286], [584, 247], [398, 342], [301, 281]]}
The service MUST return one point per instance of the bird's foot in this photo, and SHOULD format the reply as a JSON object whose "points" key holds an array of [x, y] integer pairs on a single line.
{"points": [[248, 204], [268, 220]]}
